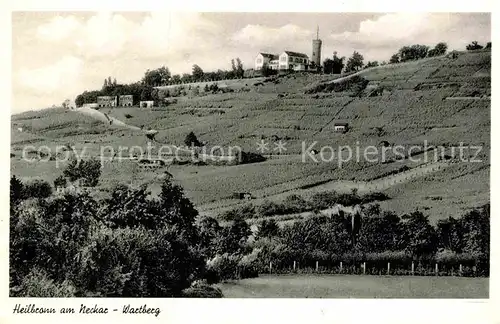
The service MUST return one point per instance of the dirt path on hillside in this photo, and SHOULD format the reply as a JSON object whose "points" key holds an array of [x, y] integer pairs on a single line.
{"points": [[105, 118], [382, 67]]}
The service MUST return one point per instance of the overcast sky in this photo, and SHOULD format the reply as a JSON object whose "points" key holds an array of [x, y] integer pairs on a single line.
{"points": [[59, 55]]}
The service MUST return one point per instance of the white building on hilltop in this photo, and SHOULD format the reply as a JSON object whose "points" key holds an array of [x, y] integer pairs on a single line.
{"points": [[285, 61], [264, 59], [293, 61]]}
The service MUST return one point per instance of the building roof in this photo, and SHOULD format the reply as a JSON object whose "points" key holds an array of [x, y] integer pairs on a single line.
{"points": [[296, 54], [270, 56], [341, 124]]}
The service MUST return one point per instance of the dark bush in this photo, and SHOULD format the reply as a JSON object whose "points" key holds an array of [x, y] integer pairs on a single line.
{"points": [[192, 140], [202, 291], [269, 208], [247, 211], [124, 246], [37, 189], [250, 157], [354, 84]]}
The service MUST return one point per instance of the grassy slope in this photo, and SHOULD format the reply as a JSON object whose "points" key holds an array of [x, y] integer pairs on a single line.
{"points": [[348, 286], [407, 116]]}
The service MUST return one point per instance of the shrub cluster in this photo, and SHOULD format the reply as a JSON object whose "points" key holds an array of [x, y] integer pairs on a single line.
{"points": [[296, 204], [126, 245], [355, 84], [377, 237]]}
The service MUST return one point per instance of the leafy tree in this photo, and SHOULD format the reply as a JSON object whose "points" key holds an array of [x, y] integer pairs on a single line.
{"points": [[176, 79], [209, 232], [338, 64], [333, 66], [419, 237], [192, 140], [380, 232], [60, 181], [413, 52], [146, 94], [473, 46], [233, 238], [186, 78], [355, 62], [328, 66], [233, 67], [72, 172], [37, 189], [353, 222], [450, 233], [488, 45], [441, 48], [89, 171], [239, 68], [268, 228], [87, 97], [16, 191], [476, 231], [197, 73], [178, 211], [157, 77], [66, 103], [394, 59], [371, 64]]}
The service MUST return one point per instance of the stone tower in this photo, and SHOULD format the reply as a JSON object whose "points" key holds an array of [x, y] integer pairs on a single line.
{"points": [[316, 50]]}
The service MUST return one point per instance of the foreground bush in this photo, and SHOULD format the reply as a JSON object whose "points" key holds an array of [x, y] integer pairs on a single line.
{"points": [[201, 289], [224, 267], [38, 284], [129, 245]]}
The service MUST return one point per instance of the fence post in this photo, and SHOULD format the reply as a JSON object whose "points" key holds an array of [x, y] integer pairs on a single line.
{"points": [[412, 268], [460, 270], [364, 267], [270, 266], [437, 270], [317, 266], [294, 265], [340, 266], [388, 267]]}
